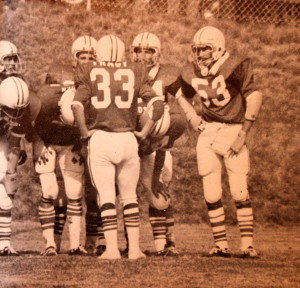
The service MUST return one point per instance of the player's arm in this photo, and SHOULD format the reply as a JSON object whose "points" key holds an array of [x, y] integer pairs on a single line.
{"points": [[253, 99], [154, 101]]}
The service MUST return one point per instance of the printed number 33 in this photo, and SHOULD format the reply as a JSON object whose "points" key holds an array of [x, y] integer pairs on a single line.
{"points": [[105, 87]]}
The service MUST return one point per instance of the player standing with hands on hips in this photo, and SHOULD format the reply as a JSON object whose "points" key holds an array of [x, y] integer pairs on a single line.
{"points": [[105, 110], [221, 103]]}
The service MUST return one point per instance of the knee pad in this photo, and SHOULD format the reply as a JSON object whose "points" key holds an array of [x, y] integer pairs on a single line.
{"points": [[49, 185], [238, 187], [212, 187], [5, 200]]}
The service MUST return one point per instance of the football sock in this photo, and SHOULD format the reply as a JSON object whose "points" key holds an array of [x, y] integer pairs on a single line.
{"points": [[59, 223], [132, 223], [245, 220], [158, 223], [5, 227], [170, 224], [47, 216], [74, 214], [100, 232], [217, 220], [109, 222]]}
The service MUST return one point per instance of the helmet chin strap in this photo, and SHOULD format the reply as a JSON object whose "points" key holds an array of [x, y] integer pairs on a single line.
{"points": [[215, 68]]}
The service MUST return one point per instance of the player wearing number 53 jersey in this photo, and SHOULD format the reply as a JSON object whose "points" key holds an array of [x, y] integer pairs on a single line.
{"points": [[225, 102], [105, 109]]}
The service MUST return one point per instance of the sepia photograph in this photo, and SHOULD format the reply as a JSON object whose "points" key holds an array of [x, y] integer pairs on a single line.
{"points": [[149, 143]]}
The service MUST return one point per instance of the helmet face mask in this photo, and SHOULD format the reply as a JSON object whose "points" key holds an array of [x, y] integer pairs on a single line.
{"points": [[84, 50], [146, 48], [10, 63], [208, 47]]}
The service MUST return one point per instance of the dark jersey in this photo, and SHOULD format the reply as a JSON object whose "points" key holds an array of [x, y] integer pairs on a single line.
{"points": [[220, 98], [48, 124], [109, 93]]}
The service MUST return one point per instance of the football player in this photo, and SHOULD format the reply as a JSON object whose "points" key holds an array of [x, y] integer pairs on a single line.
{"points": [[105, 110], [225, 103], [156, 160], [55, 141], [83, 51], [14, 123]]}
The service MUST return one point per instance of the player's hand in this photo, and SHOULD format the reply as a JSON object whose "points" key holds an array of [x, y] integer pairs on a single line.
{"points": [[139, 135], [238, 143], [160, 188], [198, 124]]}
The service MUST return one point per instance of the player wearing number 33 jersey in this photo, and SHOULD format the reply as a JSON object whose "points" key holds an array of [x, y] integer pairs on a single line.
{"points": [[225, 103], [105, 110]]}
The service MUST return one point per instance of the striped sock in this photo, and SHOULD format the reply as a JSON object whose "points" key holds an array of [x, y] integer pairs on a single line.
{"points": [[74, 214], [132, 224], [60, 220], [245, 219], [100, 232], [217, 220], [109, 222], [170, 225], [47, 217], [5, 227], [158, 223]]}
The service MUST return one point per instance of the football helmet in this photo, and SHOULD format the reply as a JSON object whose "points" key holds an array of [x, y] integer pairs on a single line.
{"points": [[84, 44], [161, 126], [14, 98], [110, 48], [9, 59], [146, 48], [66, 113], [208, 46]]}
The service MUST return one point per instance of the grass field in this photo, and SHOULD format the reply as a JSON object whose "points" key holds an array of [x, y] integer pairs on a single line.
{"points": [[278, 265]]}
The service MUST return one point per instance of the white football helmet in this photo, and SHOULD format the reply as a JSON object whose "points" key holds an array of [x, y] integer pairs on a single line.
{"points": [[65, 103], [208, 46], [161, 126], [110, 48], [146, 48], [84, 44], [9, 59], [14, 97]]}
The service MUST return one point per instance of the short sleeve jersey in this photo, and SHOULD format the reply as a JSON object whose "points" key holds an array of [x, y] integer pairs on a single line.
{"points": [[220, 98], [109, 92]]}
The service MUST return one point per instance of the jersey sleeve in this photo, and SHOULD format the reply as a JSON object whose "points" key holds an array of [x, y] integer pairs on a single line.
{"points": [[82, 83], [243, 77]]}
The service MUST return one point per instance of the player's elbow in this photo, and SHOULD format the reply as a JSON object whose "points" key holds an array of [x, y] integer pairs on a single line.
{"points": [[158, 110], [253, 104]]}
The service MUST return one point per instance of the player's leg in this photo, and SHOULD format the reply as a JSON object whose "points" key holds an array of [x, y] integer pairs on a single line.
{"points": [[46, 211], [210, 167], [157, 217], [238, 169], [102, 171], [5, 208], [127, 175], [72, 169], [60, 207]]}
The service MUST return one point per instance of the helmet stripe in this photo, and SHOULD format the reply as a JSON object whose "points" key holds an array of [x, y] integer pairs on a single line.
{"points": [[116, 49], [15, 81], [111, 48]]}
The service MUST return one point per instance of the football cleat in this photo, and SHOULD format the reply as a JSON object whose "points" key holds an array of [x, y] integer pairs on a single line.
{"points": [[49, 251], [250, 252], [99, 250], [78, 251], [168, 251], [218, 252], [8, 251]]}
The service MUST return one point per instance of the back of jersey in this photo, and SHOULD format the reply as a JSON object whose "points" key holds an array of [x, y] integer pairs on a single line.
{"points": [[109, 94]]}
